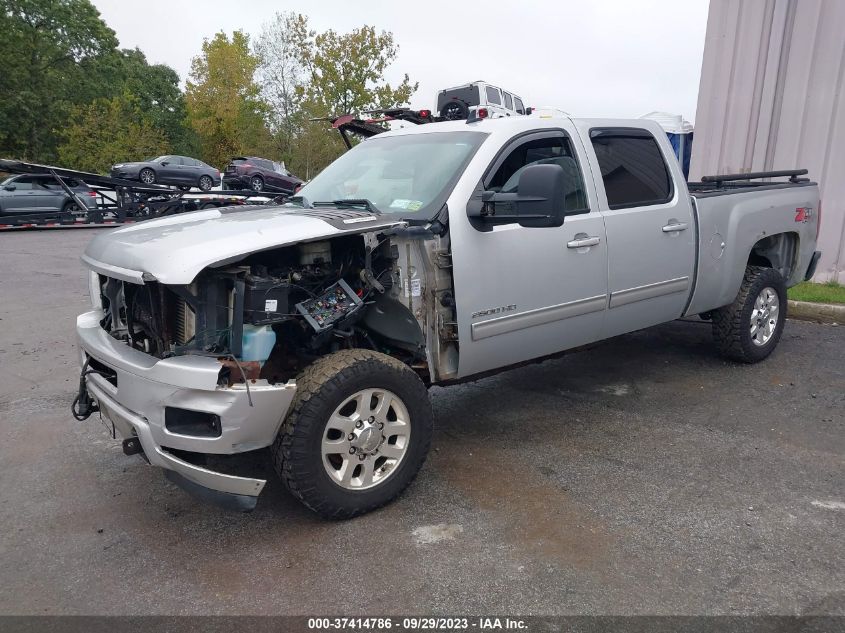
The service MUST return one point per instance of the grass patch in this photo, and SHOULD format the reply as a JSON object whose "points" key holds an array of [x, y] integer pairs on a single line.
{"points": [[828, 292]]}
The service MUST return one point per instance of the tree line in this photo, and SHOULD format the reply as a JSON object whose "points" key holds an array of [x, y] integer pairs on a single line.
{"points": [[70, 96]]}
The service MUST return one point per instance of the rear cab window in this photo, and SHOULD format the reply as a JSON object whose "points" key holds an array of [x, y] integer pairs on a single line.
{"points": [[632, 166]]}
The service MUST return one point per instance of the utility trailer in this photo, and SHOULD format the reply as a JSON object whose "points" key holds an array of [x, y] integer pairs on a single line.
{"points": [[119, 201]]}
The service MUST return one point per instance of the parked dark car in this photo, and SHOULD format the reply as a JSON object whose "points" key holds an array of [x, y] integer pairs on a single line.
{"points": [[29, 193], [258, 174], [181, 171]]}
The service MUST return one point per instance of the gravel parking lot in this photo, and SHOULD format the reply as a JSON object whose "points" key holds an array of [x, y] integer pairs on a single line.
{"points": [[643, 476]]}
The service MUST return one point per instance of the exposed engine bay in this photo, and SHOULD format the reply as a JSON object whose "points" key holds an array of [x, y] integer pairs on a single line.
{"points": [[272, 313]]}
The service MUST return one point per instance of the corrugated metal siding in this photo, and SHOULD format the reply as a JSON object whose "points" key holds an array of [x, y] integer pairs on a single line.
{"points": [[771, 98]]}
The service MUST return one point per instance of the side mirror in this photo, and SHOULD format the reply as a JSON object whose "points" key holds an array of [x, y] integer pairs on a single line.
{"points": [[539, 201], [165, 163], [10, 187]]}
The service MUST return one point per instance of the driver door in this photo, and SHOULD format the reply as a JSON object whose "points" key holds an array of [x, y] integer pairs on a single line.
{"points": [[524, 293]]}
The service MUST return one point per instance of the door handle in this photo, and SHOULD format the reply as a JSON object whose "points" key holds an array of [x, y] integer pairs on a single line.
{"points": [[675, 228], [583, 243]]}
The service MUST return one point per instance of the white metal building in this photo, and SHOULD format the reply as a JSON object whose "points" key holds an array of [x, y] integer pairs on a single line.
{"points": [[771, 97]]}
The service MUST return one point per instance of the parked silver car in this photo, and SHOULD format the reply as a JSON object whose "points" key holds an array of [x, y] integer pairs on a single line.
{"points": [[180, 171], [30, 193]]}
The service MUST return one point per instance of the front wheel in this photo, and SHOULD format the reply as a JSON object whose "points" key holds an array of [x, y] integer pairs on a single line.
{"points": [[358, 433], [147, 176], [748, 330]]}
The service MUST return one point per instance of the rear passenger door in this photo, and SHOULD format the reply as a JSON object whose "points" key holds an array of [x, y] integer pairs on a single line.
{"points": [[650, 231], [53, 196]]}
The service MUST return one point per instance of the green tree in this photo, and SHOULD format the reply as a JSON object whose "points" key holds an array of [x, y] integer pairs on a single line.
{"points": [[46, 47], [346, 71], [308, 75], [159, 97], [110, 131], [224, 105]]}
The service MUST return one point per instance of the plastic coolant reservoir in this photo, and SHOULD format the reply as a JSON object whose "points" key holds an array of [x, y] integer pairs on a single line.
{"points": [[258, 342]]}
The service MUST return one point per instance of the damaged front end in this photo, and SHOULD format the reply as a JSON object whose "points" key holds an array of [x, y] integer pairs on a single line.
{"points": [[189, 371]]}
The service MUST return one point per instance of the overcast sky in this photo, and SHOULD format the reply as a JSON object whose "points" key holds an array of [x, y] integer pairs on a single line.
{"points": [[588, 57]]}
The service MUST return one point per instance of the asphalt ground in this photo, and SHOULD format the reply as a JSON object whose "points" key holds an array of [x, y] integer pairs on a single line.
{"points": [[643, 476]]}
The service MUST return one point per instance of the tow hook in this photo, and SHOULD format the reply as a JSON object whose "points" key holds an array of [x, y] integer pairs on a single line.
{"points": [[83, 406], [132, 446]]}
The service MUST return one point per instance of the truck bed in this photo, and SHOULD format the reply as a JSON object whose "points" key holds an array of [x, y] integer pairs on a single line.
{"points": [[776, 220]]}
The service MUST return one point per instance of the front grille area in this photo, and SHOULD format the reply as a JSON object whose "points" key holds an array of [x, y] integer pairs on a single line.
{"points": [[185, 325], [160, 320]]}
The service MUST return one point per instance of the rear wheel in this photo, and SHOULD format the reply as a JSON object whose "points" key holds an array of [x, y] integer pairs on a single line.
{"points": [[357, 434], [256, 183], [206, 183], [147, 176], [749, 329], [70, 207]]}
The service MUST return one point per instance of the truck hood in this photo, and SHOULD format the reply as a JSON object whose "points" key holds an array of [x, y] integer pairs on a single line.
{"points": [[174, 250]]}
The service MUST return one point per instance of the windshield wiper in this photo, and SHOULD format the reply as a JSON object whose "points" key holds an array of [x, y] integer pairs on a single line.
{"points": [[351, 202]]}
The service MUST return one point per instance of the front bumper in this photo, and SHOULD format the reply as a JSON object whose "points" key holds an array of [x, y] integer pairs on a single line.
{"points": [[125, 173], [145, 386]]}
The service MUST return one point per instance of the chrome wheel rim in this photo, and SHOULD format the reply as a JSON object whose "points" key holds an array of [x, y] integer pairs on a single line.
{"points": [[365, 439], [205, 183], [147, 177], [257, 184], [764, 316]]}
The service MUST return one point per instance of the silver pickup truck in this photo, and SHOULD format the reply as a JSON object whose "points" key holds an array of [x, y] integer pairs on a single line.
{"points": [[423, 256]]}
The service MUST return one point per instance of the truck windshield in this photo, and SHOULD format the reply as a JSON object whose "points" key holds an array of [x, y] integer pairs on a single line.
{"points": [[409, 175]]}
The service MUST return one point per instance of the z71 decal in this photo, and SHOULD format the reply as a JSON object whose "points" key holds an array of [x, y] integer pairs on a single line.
{"points": [[803, 214]]}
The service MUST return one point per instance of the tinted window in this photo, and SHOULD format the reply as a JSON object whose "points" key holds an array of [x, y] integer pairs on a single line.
{"points": [[51, 183], [518, 105], [493, 95], [24, 183], [508, 101], [632, 168], [266, 164], [544, 151], [468, 95]]}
